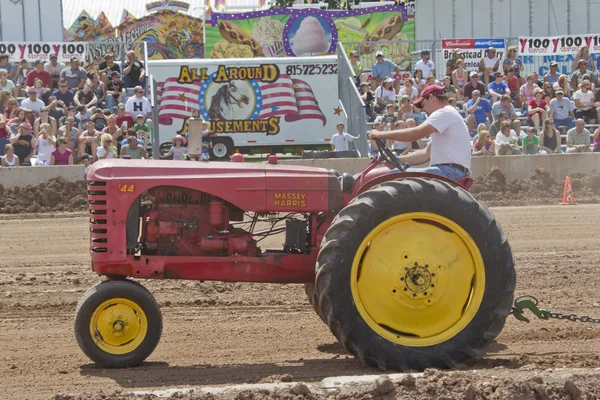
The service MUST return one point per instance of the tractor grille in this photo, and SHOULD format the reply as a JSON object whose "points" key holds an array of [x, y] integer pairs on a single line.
{"points": [[98, 216]]}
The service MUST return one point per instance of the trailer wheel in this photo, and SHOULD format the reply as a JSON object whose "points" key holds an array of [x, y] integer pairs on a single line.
{"points": [[414, 274], [118, 324], [222, 148]]}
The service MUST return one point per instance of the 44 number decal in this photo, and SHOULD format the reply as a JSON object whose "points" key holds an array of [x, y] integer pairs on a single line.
{"points": [[125, 188]]}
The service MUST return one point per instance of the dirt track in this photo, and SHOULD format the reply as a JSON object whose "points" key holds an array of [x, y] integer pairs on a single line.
{"points": [[219, 333]]}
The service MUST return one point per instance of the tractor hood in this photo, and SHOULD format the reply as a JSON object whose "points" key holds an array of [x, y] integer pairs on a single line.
{"points": [[257, 187]]}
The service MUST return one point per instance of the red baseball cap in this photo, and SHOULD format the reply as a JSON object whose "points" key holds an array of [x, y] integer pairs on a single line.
{"points": [[428, 91]]}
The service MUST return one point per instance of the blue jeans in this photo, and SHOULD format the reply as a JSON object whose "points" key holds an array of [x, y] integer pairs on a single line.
{"points": [[112, 102], [3, 142], [568, 122], [447, 171], [130, 83]]}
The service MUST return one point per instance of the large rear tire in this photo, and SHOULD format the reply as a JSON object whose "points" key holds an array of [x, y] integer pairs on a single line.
{"points": [[118, 324], [415, 274]]}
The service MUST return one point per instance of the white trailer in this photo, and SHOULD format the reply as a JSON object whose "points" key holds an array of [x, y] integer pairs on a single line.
{"points": [[265, 105]]}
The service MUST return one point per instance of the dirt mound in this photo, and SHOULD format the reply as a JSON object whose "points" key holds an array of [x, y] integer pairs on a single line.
{"points": [[53, 195], [540, 189]]}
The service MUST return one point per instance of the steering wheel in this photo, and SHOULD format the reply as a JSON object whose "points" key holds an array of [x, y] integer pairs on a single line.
{"points": [[386, 154]]}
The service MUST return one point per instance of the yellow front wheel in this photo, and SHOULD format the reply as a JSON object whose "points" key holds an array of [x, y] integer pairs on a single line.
{"points": [[415, 274], [118, 324]]}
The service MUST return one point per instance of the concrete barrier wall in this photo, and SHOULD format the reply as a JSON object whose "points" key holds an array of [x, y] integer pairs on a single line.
{"points": [[513, 167], [23, 176]]}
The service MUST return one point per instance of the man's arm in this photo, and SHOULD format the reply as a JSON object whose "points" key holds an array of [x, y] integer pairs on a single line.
{"points": [[405, 135], [473, 108], [127, 70], [13, 138], [418, 157]]}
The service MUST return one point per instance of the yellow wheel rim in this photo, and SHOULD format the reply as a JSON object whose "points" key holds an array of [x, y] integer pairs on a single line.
{"points": [[118, 326], [418, 279]]}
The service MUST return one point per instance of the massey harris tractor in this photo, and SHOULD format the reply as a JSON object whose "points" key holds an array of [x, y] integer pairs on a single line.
{"points": [[409, 271]]}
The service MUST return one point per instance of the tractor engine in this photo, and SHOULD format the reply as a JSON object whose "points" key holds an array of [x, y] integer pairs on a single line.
{"points": [[183, 222]]}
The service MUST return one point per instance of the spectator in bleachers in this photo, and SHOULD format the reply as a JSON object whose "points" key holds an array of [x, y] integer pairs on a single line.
{"points": [[340, 140], [550, 140], [489, 65], [418, 80], [548, 92], [448, 86], [56, 109], [64, 94], [4, 96], [107, 150], [143, 129], [38, 73], [124, 120], [409, 90], [178, 152], [384, 95], [412, 123], [389, 116], [405, 110], [536, 79], [99, 119], [597, 140], [580, 73], [513, 85], [18, 114], [382, 69], [498, 88], [459, 80], [10, 69], [578, 138], [44, 118], [71, 112], [480, 111], [43, 93], [99, 89], [562, 110], [132, 149], [74, 75], [107, 67], [537, 111], [32, 103], [400, 148], [7, 84], [133, 71], [483, 146], [4, 134], [83, 115], [584, 103], [426, 65], [22, 143], [61, 155], [531, 143], [356, 67], [140, 104], [505, 105], [527, 92], [563, 83], [369, 99], [514, 62], [506, 142], [453, 103], [88, 140], [474, 84], [69, 132], [583, 55], [54, 68], [85, 97], [553, 75], [10, 159], [11, 108], [115, 92], [21, 75], [451, 63], [44, 144]]}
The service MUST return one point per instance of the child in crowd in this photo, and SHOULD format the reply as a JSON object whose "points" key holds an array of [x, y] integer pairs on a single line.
{"points": [[10, 159], [107, 150], [177, 151], [83, 115], [44, 144], [142, 129], [85, 161]]}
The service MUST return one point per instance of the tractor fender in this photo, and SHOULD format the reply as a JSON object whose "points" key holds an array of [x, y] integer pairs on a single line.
{"points": [[465, 183]]}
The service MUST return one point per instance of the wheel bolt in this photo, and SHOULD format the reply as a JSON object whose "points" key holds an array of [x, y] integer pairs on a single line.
{"points": [[416, 263], [426, 266], [405, 289], [424, 293], [414, 295], [433, 285]]}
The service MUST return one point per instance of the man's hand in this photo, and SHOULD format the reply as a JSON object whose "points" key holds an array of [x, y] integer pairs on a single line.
{"points": [[374, 134]]}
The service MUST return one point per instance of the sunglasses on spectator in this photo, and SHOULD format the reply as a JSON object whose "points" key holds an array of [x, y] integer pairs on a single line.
{"points": [[139, 91]]}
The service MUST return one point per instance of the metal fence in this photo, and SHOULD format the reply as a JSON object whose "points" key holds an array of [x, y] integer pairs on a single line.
{"points": [[352, 103]]}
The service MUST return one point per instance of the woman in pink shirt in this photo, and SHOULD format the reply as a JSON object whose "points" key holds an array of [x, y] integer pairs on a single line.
{"points": [[62, 155], [538, 109], [527, 93]]}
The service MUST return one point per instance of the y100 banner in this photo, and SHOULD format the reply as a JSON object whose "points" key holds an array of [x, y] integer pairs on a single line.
{"points": [[473, 50], [551, 45], [32, 51]]}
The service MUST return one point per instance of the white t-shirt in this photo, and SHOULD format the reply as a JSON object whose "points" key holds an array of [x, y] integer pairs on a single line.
{"points": [[44, 148], [136, 106], [502, 139], [399, 145], [426, 68], [451, 144], [385, 95], [112, 152], [33, 105], [9, 86], [179, 153], [490, 62], [585, 98], [413, 94], [340, 142], [54, 71]]}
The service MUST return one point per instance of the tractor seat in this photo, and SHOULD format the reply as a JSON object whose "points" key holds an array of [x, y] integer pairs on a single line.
{"points": [[465, 182]]}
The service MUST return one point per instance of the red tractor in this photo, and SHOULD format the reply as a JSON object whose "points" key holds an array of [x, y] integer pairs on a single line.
{"points": [[409, 271]]}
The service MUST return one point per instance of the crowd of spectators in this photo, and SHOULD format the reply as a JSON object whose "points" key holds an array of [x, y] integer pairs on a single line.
{"points": [[56, 114], [496, 101]]}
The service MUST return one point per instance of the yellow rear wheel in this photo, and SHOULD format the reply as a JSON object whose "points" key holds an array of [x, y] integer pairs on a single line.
{"points": [[415, 274], [118, 323]]}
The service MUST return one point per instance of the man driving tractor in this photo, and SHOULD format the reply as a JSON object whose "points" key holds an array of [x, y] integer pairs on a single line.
{"points": [[449, 152]]}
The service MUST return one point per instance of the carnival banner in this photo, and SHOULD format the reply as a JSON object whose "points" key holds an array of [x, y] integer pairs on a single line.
{"points": [[305, 32], [32, 51], [473, 50], [558, 45]]}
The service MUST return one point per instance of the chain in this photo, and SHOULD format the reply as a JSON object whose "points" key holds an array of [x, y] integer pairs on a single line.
{"points": [[531, 303]]}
